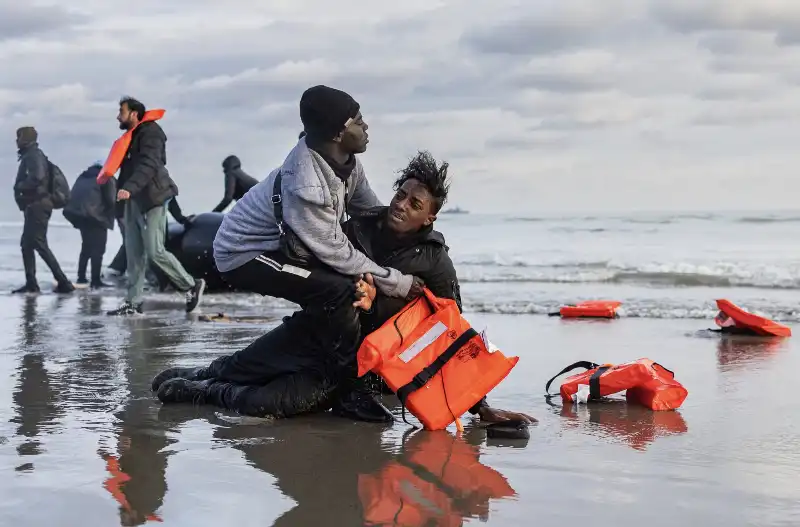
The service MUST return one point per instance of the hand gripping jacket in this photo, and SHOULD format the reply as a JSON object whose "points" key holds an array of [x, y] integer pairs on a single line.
{"points": [[430, 356], [645, 382]]}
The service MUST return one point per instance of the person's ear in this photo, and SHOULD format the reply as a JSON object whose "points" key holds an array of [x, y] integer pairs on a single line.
{"points": [[430, 219]]}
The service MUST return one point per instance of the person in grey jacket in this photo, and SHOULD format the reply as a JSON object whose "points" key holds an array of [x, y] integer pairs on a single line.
{"points": [[284, 238], [33, 194]]}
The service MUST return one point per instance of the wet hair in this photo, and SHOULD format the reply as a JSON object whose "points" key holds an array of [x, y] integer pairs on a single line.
{"points": [[134, 105], [424, 169]]}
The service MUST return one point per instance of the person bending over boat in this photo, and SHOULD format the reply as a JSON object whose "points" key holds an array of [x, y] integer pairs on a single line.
{"points": [[288, 372], [237, 182]]}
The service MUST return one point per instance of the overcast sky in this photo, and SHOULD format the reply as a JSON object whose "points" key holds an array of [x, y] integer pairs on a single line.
{"points": [[539, 106]]}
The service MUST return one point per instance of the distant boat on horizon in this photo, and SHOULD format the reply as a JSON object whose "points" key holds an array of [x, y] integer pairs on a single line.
{"points": [[455, 210]]}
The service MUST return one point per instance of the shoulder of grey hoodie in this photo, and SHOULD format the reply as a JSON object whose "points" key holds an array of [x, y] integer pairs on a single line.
{"points": [[249, 229]]}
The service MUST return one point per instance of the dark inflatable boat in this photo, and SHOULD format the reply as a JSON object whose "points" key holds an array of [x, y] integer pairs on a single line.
{"points": [[193, 248]]}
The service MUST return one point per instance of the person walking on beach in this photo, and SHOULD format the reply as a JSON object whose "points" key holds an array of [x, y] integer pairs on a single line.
{"points": [[91, 210], [145, 187], [33, 190]]}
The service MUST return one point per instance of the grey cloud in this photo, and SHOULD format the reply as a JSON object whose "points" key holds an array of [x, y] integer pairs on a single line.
{"points": [[689, 16], [529, 36], [18, 20]]}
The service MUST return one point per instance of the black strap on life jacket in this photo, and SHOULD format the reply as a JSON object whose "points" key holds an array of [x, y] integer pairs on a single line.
{"points": [[594, 380], [432, 369], [277, 202]]}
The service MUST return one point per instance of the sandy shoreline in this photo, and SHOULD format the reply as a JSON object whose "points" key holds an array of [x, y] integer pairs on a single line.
{"points": [[77, 384]]}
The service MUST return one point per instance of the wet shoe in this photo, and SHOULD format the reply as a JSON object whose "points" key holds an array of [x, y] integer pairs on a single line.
{"points": [[126, 309], [361, 406], [64, 288], [99, 285], [32, 288], [192, 374], [195, 294], [179, 390]]}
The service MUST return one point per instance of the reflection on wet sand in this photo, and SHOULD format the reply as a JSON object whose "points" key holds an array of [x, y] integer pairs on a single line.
{"points": [[355, 475], [636, 426], [35, 396], [740, 351]]}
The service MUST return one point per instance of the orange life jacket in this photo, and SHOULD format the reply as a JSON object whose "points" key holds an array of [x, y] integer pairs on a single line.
{"points": [[645, 382], [437, 480], [591, 309], [430, 356], [731, 315], [120, 147]]}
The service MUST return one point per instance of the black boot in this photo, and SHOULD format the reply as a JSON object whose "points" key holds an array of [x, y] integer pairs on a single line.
{"points": [[192, 374], [358, 404], [179, 390], [27, 288]]}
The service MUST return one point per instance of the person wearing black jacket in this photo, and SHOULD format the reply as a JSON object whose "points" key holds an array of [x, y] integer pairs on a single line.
{"points": [[91, 210], [286, 372], [237, 182], [146, 186], [32, 192]]}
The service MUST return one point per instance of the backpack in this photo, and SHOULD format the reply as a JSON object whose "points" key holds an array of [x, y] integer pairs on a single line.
{"points": [[59, 187]]}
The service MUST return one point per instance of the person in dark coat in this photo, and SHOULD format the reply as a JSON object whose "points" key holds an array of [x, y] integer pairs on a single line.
{"points": [[237, 182], [146, 187], [287, 372], [91, 210], [32, 193]]}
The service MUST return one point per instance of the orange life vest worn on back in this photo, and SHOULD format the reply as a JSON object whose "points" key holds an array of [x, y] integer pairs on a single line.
{"points": [[121, 145], [645, 382], [437, 480], [430, 356], [591, 309], [732, 315]]}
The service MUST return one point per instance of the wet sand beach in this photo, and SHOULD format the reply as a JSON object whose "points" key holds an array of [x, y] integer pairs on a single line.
{"points": [[83, 442]]}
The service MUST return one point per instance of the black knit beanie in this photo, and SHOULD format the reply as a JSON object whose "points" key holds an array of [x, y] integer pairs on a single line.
{"points": [[324, 111]]}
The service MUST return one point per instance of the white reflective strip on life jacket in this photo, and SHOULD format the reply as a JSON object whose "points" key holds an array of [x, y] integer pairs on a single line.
{"points": [[423, 342]]}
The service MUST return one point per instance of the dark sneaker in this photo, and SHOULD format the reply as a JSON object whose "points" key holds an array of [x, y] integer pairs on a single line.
{"points": [[192, 374], [179, 390], [82, 281], [64, 288], [361, 406], [30, 288], [195, 294], [126, 309], [99, 285]]}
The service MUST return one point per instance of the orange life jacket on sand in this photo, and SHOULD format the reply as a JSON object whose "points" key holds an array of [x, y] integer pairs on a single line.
{"points": [[120, 147], [437, 480], [430, 356], [645, 382], [731, 315], [590, 309]]}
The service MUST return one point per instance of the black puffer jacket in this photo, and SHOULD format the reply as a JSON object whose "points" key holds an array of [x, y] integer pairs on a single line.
{"points": [[237, 182], [144, 170], [423, 255], [33, 177], [91, 203]]}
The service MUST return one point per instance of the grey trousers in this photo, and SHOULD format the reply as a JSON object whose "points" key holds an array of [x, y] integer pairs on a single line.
{"points": [[144, 240]]}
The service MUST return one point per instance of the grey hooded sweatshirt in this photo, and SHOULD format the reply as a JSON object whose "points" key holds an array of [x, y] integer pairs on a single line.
{"points": [[315, 202]]}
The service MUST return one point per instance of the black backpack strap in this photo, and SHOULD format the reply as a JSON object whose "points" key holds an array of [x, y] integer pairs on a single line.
{"points": [[580, 364], [432, 369], [277, 203]]}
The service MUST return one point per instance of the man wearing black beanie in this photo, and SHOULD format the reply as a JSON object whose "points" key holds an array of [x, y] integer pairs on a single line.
{"points": [[284, 238]]}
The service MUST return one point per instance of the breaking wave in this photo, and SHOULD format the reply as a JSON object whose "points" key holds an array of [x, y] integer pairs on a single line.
{"points": [[722, 274]]}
